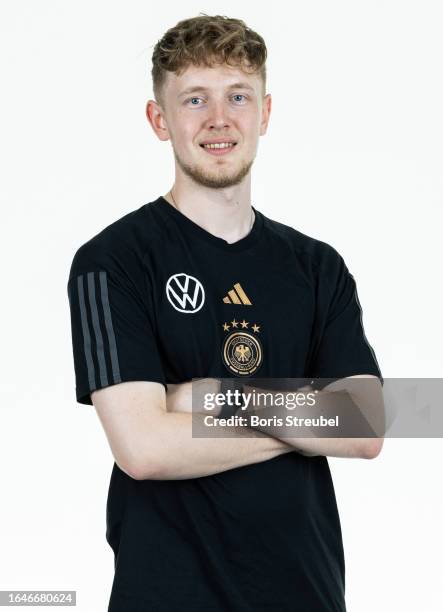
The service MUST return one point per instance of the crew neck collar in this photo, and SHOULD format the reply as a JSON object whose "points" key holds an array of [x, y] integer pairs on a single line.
{"points": [[189, 226]]}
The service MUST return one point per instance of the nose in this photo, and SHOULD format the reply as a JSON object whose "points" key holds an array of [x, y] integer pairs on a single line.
{"points": [[218, 115]]}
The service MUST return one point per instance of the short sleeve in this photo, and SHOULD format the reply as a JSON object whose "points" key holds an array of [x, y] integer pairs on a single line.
{"points": [[340, 346], [113, 338]]}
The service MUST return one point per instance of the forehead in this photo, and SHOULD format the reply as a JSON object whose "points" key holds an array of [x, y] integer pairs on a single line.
{"points": [[210, 78]]}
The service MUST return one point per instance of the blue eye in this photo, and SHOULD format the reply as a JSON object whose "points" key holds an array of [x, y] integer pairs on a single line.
{"points": [[241, 101]]}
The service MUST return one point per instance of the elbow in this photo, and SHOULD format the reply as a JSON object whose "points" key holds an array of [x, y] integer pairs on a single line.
{"points": [[142, 469], [142, 459], [371, 448]]}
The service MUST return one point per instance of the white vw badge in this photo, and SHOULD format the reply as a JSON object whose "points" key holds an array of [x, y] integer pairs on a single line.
{"points": [[185, 293]]}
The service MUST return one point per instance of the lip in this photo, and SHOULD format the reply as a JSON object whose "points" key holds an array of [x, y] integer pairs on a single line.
{"points": [[219, 152]]}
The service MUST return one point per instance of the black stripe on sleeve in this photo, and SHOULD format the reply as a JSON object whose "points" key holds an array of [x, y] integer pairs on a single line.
{"points": [[86, 334], [97, 331], [109, 327]]}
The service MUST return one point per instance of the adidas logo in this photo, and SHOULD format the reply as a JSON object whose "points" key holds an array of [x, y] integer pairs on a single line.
{"points": [[237, 296]]}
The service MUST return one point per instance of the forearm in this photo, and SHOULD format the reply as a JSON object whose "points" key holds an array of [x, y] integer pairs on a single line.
{"points": [[311, 446], [357, 448], [357, 404], [179, 455], [331, 447]]}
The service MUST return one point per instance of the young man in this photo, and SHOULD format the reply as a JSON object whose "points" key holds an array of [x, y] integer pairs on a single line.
{"points": [[157, 298]]}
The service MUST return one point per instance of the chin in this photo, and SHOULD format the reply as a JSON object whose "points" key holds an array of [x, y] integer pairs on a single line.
{"points": [[215, 178]]}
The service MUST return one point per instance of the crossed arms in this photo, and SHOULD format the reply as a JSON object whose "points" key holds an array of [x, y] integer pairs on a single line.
{"points": [[150, 434]]}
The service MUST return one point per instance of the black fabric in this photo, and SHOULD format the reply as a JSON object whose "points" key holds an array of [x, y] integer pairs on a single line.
{"points": [[261, 537]]}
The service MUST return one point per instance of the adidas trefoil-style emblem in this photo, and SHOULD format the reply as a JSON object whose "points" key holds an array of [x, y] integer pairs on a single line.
{"points": [[242, 351], [185, 293], [237, 296]]}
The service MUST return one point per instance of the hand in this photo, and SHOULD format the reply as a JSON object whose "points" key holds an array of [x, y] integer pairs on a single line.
{"points": [[253, 409], [179, 397]]}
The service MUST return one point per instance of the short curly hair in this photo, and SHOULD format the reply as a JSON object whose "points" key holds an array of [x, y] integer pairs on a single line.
{"points": [[205, 41]]}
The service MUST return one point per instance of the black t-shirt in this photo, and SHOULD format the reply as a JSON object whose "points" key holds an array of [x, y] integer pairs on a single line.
{"points": [[156, 297]]}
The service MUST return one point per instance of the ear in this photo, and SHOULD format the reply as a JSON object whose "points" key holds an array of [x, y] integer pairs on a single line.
{"points": [[156, 118], [266, 112]]}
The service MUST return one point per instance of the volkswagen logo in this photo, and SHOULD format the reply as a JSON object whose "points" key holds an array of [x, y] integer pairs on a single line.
{"points": [[185, 293]]}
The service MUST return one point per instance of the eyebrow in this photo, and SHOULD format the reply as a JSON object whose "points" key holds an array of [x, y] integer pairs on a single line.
{"points": [[202, 88]]}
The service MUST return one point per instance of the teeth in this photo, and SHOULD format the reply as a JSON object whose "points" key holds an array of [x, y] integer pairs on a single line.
{"points": [[221, 145]]}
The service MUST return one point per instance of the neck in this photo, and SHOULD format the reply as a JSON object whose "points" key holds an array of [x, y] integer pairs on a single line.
{"points": [[225, 213]]}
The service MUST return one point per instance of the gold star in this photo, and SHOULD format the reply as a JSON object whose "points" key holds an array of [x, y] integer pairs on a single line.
{"points": [[225, 326], [244, 324], [234, 323], [256, 327]]}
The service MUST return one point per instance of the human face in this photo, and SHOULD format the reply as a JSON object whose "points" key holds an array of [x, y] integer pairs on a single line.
{"points": [[217, 104]]}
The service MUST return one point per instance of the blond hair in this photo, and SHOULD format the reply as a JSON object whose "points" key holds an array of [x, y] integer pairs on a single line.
{"points": [[206, 41]]}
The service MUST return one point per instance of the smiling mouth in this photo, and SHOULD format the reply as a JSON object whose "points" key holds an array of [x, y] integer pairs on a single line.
{"points": [[219, 149]]}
